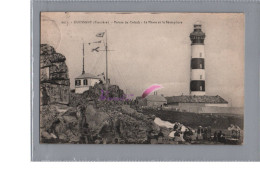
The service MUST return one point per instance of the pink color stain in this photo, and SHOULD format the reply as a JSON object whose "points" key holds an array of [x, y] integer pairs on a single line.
{"points": [[151, 89]]}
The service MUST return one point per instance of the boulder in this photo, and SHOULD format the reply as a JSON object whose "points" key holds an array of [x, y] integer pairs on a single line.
{"points": [[127, 110], [54, 77]]}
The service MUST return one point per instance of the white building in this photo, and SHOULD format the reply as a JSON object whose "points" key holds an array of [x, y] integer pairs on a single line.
{"points": [[84, 81]]}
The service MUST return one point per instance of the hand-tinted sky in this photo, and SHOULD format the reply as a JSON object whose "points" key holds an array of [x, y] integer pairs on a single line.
{"points": [[152, 53]]}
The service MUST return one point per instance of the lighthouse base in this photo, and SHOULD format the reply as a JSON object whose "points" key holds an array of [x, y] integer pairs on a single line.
{"points": [[198, 93]]}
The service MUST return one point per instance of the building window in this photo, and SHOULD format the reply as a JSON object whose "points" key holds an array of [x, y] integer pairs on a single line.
{"points": [[200, 88], [77, 82], [200, 54], [200, 76], [200, 66], [85, 82]]}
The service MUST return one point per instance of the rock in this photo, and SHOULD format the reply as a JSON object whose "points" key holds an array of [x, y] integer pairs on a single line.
{"points": [[178, 139], [165, 131], [46, 135], [63, 137], [54, 77], [90, 111], [107, 124], [127, 110], [48, 115], [94, 95], [53, 136], [59, 122], [47, 49]]}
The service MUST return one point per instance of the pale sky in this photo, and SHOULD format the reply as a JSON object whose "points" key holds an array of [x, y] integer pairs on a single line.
{"points": [[152, 53]]}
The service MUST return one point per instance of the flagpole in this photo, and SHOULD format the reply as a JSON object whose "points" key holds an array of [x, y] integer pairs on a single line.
{"points": [[106, 61], [83, 69]]}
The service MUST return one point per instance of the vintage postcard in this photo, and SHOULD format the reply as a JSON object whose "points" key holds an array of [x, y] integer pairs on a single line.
{"points": [[142, 78]]}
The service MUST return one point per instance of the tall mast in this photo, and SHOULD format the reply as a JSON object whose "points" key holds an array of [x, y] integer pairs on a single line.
{"points": [[106, 61], [83, 67]]}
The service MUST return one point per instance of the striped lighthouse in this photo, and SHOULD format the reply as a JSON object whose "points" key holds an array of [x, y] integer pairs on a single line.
{"points": [[197, 77]]}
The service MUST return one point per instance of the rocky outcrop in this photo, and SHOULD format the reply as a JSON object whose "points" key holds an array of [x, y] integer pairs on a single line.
{"points": [[88, 118], [94, 94], [54, 78], [88, 124], [59, 124]]}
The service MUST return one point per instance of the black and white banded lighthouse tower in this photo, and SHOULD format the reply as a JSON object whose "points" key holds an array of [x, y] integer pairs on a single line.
{"points": [[197, 76]]}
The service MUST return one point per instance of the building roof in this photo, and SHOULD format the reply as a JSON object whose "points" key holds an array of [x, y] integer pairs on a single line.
{"points": [[196, 99], [155, 98], [87, 75]]}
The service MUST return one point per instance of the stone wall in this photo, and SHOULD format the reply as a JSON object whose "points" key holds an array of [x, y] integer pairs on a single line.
{"points": [[54, 78]]}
